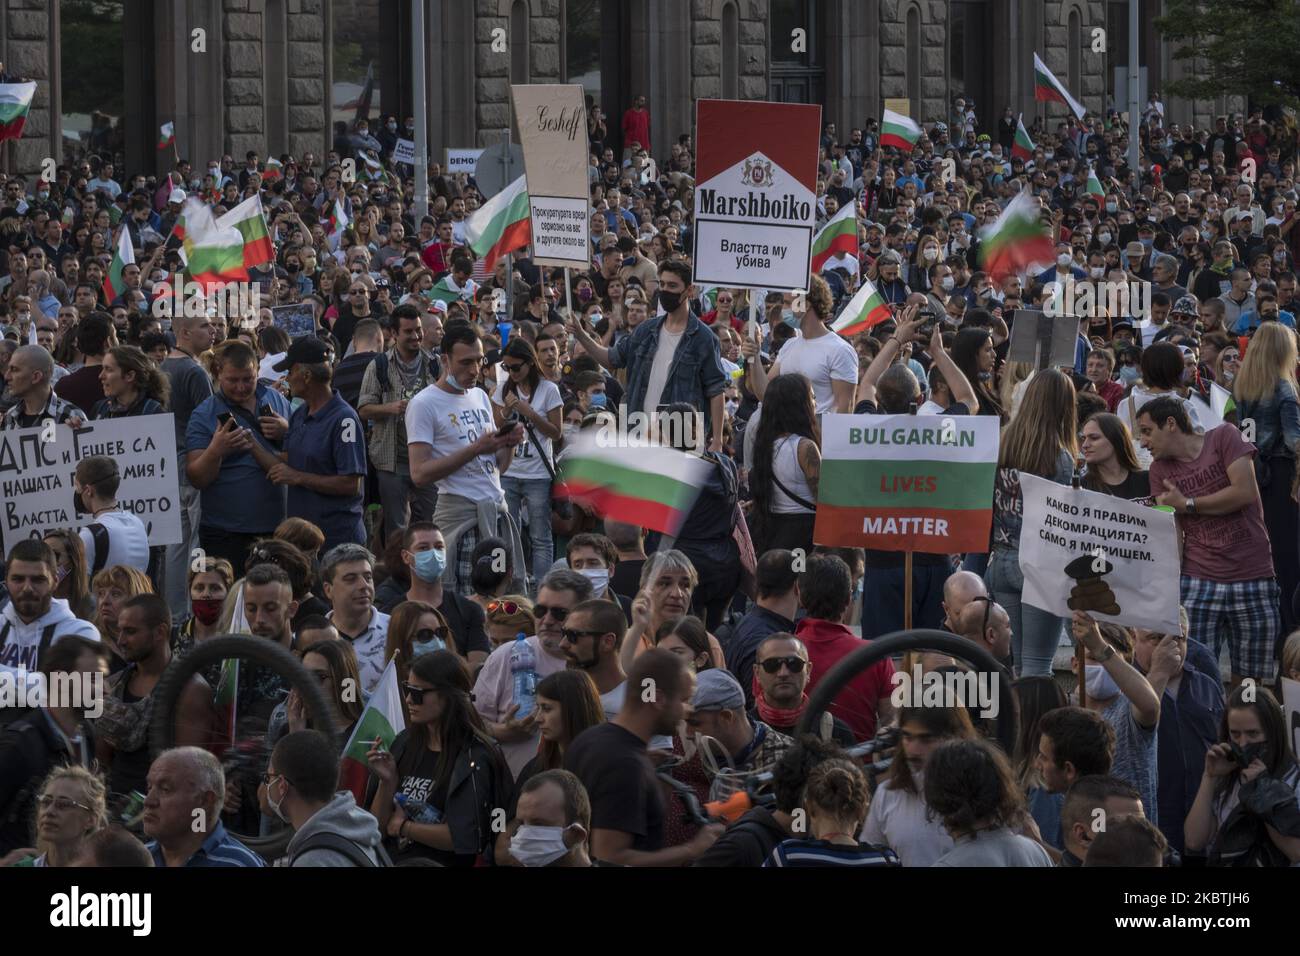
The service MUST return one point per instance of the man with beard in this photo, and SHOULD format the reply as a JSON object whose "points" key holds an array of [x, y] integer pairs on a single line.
{"points": [[144, 627], [780, 681], [591, 639]]}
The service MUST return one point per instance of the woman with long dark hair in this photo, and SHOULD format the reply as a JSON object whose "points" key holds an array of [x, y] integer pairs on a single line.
{"points": [[1036, 696], [73, 584], [415, 628], [1113, 468], [972, 351], [567, 704], [786, 467], [132, 383], [435, 792]]}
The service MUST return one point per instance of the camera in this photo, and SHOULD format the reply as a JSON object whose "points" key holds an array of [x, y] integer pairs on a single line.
{"points": [[928, 319]]}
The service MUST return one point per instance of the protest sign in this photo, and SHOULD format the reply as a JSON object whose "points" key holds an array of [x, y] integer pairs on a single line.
{"points": [[404, 152], [1291, 708], [907, 482], [1083, 550], [298, 319], [1042, 340], [553, 132], [458, 160], [755, 202], [37, 467]]}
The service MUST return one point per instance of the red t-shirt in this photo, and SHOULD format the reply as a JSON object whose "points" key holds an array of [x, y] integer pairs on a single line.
{"points": [[636, 128], [708, 318], [1224, 548], [827, 643]]}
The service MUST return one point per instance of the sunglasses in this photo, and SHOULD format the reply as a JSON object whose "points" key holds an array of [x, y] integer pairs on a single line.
{"points": [[573, 636], [512, 369], [773, 664], [559, 613], [506, 607], [415, 694]]}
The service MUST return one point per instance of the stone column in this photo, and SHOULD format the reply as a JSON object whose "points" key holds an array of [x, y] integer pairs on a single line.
{"points": [[307, 83]]}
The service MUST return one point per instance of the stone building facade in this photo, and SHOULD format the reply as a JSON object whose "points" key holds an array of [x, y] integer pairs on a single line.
{"points": [[236, 75]]}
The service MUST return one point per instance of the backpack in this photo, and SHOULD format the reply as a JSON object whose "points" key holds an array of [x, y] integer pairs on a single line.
{"points": [[356, 854], [431, 366], [100, 536]]}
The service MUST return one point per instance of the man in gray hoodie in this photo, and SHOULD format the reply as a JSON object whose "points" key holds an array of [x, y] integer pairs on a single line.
{"points": [[301, 780]]}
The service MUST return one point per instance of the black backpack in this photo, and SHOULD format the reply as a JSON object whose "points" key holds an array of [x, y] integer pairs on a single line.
{"points": [[99, 534], [356, 854]]}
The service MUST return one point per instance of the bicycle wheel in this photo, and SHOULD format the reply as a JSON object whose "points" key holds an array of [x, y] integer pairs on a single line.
{"points": [[261, 652], [829, 687]]}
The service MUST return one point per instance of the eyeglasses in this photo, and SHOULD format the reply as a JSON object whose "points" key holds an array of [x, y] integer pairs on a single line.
{"points": [[573, 636], [559, 613], [62, 804], [268, 776], [506, 607], [773, 664], [512, 369], [415, 694]]}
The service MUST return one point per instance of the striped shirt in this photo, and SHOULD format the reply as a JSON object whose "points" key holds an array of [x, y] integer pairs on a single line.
{"points": [[219, 849], [822, 853]]}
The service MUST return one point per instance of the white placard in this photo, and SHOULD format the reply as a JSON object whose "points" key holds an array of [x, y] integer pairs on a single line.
{"points": [[404, 152], [1291, 710], [461, 161], [560, 230]]}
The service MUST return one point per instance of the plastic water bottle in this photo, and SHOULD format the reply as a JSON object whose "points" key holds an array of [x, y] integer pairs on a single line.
{"points": [[523, 668], [418, 811]]}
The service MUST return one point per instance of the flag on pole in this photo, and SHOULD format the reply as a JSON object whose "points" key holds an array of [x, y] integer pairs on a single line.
{"points": [[501, 225], [225, 702], [1094, 184], [838, 237], [1048, 89], [1022, 147], [336, 223], [274, 170], [250, 219], [899, 131], [176, 239], [123, 255], [167, 135], [865, 310], [653, 486], [382, 718], [15, 104], [1016, 240], [215, 253]]}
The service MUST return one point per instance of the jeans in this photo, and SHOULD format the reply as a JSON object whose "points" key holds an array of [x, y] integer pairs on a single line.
{"points": [[882, 599], [1035, 633], [231, 545], [403, 501], [176, 565], [536, 492]]}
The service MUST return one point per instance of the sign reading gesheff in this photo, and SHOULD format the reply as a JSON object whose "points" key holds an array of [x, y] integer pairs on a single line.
{"points": [[37, 467], [1086, 551], [553, 133], [755, 199]]}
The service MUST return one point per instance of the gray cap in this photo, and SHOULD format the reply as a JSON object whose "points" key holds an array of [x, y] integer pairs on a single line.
{"points": [[717, 690]]}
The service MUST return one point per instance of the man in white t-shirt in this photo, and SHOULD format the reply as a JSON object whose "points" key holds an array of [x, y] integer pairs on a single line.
{"points": [[823, 357], [114, 536], [453, 441]]}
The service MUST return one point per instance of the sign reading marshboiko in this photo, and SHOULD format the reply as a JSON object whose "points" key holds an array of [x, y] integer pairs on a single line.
{"points": [[552, 120], [755, 195]]}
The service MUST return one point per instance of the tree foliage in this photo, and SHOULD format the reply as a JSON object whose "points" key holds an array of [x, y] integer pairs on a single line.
{"points": [[1244, 47]]}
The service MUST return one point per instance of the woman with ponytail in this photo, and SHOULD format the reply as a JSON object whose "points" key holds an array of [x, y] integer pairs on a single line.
{"points": [[836, 800]]}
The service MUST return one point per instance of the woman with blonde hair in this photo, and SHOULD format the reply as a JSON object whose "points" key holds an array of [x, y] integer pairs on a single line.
{"points": [[1266, 395], [72, 807], [111, 588], [73, 583], [1040, 441], [208, 582], [508, 616]]}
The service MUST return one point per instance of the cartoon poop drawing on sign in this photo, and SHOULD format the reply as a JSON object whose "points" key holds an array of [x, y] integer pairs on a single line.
{"points": [[1090, 591]]}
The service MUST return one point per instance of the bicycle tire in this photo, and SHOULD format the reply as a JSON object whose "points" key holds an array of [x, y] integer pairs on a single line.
{"points": [[260, 651], [916, 639]]}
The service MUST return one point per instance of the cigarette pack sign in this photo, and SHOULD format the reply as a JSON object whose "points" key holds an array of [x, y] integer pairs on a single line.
{"points": [[37, 466], [755, 199]]}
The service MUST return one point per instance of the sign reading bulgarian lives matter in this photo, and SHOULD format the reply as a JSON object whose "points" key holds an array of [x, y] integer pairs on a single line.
{"points": [[755, 194], [37, 467], [552, 121], [907, 482], [1087, 551]]}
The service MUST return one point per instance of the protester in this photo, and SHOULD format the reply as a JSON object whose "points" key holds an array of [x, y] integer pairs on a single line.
{"points": [[187, 788], [836, 801]]}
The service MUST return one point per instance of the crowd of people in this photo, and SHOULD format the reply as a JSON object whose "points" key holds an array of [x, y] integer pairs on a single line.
{"points": [[386, 489]]}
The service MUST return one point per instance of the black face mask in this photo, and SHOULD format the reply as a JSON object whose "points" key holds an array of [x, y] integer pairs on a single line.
{"points": [[670, 300]]}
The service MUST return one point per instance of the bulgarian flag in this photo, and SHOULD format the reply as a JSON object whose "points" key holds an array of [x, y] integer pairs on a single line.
{"points": [[1023, 146], [167, 135], [865, 310], [15, 103], [215, 253], [249, 218], [442, 290], [382, 718], [838, 236], [225, 703], [899, 131], [501, 225], [651, 485], [123, 256], [1094, 184], [1017, 240], [176, 239], [273, 171], [336, 223], [1048, 89]]}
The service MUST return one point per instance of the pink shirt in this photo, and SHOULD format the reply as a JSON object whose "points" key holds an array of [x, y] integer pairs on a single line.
{"points": [[494, 696]]}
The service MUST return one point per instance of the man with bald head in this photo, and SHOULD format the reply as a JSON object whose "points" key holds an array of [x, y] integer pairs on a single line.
{"points": [[959, 590], [986, 624], [29, 379]]}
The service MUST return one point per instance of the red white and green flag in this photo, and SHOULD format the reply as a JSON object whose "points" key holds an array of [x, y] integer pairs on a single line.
{"points": [[166, 135], [224, 702], [1017, 240], [1094, 184], [215, 253], [15, 104], [648, 485], [1048, 89], [273, 170], [336, 223], [176, 238], [250, 219], [1022, 147], [865, 310], [123, 256], [899, 131], [838, 237], [382, 718], [501, 225], [907, 482]]}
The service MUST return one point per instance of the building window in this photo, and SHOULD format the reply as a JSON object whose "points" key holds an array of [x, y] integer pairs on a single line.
{"points": [[1074, 38], [370, 76], [730, 52], [582, 45], [519, 37], [914, 61], [94, 95]]}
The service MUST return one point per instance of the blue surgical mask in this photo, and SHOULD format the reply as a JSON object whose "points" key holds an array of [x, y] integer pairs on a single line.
{"points": [[789, 318], [430, 564], [425, 640], [1148, 242], [1128, 374], [597, 400]]}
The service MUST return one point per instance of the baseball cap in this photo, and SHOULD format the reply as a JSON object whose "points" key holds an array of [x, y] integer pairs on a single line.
{"points": [[177, 195], [307, 350], [1121, 324], [716, 689]]}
